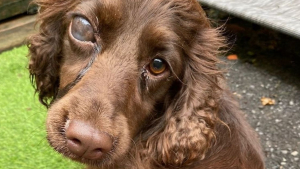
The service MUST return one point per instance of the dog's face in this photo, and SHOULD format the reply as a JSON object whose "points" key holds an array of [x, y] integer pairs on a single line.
{"points": [[126, 61], [120, 65]]}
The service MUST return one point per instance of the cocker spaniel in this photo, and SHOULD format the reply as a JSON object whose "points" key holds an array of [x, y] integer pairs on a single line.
{"points": [[135, 84]]}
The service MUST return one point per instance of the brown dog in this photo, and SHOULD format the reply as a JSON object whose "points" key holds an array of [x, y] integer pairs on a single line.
{"points": [[134, 84]]}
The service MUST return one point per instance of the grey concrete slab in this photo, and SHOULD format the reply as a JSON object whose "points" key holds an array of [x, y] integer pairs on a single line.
{"points": [[281, 15]]}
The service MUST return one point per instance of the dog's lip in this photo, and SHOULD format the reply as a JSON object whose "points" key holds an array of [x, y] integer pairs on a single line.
{"points": [[93, 162]]}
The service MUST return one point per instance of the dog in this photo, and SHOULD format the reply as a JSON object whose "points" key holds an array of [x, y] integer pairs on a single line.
{"points": [[135, 84]]}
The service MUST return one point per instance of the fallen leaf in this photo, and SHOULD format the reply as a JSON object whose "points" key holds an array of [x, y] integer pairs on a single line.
{"points": [[267, 101], [232, 57], [238, 95]]}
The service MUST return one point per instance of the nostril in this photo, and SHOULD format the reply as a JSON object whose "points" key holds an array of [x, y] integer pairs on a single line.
{"points": [[103, 142], [75, 141]]}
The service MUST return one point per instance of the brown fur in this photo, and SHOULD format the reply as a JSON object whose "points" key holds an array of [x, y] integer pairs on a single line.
{"points": [[184, 118]]}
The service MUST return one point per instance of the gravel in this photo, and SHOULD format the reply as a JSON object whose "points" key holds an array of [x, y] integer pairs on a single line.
{"points": [[278, 125]]}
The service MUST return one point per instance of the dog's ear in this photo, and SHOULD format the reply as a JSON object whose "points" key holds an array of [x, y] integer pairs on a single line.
{"points": [[186, 131], [45, 48]]}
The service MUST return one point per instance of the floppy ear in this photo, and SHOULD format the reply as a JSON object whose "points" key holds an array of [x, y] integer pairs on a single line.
{"points": [[45, 48], [186, 132], [188, 127]]}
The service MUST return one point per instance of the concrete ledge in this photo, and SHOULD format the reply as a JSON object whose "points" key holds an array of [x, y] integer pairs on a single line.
{"points": [[280, 15]]}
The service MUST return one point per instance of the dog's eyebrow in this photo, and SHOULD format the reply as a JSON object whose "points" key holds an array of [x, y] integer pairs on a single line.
{"points": [[62, 92]]}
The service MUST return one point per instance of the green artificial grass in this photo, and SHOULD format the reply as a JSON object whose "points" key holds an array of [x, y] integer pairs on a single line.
{"points": [[23, 143]]}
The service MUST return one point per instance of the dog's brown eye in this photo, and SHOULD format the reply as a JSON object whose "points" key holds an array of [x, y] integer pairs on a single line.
{"points": [[157, 66], [82, 30]]}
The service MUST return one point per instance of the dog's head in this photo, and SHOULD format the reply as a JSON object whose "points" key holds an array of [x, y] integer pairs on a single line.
{"points": [[110, 70]]}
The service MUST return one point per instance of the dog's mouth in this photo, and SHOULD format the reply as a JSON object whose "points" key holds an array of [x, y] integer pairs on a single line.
{"points": [[72, 141]]}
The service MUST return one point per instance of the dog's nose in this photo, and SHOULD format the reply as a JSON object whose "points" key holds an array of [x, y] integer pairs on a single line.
{"points": [[85, 141]]}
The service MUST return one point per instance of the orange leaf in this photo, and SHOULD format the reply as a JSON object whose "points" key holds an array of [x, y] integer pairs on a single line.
{"points": [[267, 101], [232, 57]]}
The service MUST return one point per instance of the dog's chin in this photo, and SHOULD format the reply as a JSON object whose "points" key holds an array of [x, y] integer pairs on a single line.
{"points": [[100, 163]]}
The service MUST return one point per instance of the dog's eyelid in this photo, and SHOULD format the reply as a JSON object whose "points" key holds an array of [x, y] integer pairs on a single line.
{"points": [[82, 30], [72, 15], [94, 21], [83, 43]]}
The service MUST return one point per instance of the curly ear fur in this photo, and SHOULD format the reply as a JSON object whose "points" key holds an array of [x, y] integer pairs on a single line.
{"points": [[188, 124], [45, 48]]}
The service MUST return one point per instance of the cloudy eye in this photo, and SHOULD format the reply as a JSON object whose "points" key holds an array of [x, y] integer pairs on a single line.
{"points": [[157, 66], [82, 30]]}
